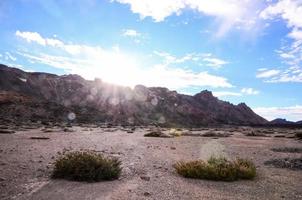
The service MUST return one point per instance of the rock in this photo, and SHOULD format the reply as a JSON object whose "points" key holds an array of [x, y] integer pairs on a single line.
{"points": [[68, 130], [145, 178], [39, 138], [147, 194], [6, 131], [46, 130], [279, 136], [84, 99]]}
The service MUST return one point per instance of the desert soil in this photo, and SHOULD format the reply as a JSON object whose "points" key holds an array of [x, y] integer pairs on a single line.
{"points": [[26, 165]]}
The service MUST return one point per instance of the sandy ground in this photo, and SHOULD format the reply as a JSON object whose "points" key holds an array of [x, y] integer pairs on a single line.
{"points": [[26, 164]]}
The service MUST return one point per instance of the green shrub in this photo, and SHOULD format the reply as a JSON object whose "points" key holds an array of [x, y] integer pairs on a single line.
{"points": [[86, 166], [218, 169]]}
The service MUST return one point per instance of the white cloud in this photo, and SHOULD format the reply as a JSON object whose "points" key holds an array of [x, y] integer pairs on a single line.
{"points": [[228, 12], [131, 33], [136, 36], [36, 37], [267, 73], [291, 74], [295, 34], [293, 113], [206, 59], [118, 67], [291, 12], [243, 91], [249, 91], [9, 56], [226, 93], [215, 62]]}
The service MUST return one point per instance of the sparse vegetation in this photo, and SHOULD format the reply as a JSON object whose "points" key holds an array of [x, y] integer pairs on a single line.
{"points": [[39, 138], [218, 169], [215, 134], [288, 150], [256, 133], [157, 134], [6, 131], [86, 166], [68, 130], [299, 135], [175, 132], [47, 130], [289, 163]]}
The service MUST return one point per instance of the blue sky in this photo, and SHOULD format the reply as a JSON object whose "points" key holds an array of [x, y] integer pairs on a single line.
{"points": [[244, 51]]}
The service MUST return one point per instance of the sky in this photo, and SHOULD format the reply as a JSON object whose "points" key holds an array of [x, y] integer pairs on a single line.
{"points": [[242, 50]]}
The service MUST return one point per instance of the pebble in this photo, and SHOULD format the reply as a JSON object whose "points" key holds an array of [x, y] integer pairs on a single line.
{"points": [[147, 194], [146, 178]]}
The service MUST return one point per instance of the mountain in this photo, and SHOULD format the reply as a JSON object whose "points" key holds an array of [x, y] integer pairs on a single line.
{"points": [[43, 96], [280, 121]]}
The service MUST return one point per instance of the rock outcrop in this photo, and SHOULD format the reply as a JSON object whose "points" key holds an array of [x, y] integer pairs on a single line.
{"points": [[44, 96]]}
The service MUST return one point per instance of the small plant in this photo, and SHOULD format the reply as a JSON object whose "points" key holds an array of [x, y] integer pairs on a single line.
{"points": [[86, 166], [215, 134], [289, 163], [157, 134], [175, 132], [256, 134], [288, 149], [299, 135], [218, 169]]}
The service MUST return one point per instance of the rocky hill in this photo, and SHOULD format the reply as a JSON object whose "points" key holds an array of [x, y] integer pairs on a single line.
{"points": [[281, 122], [42, 96]]}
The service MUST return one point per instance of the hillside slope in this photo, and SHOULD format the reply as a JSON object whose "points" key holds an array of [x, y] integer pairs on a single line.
{"points": [[97, 101]]}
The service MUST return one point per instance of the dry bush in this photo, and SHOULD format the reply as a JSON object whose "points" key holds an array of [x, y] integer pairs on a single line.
{"points": [[157, 134], [288, 150], [86, 166], [175, 132], [299, 135], [218, 169], [289, 163], [215, 134]]}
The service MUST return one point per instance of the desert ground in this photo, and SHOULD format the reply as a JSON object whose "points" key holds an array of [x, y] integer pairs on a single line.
{"points": [[26, 163]]}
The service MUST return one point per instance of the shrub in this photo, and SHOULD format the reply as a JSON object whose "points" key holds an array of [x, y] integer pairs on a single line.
{"points": [[218, 169], [256, 134], [289, 163], [157, 134], [5, 131], [288, 149], [175, 132], [299, 135], [86, 166], [215, 134]]}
